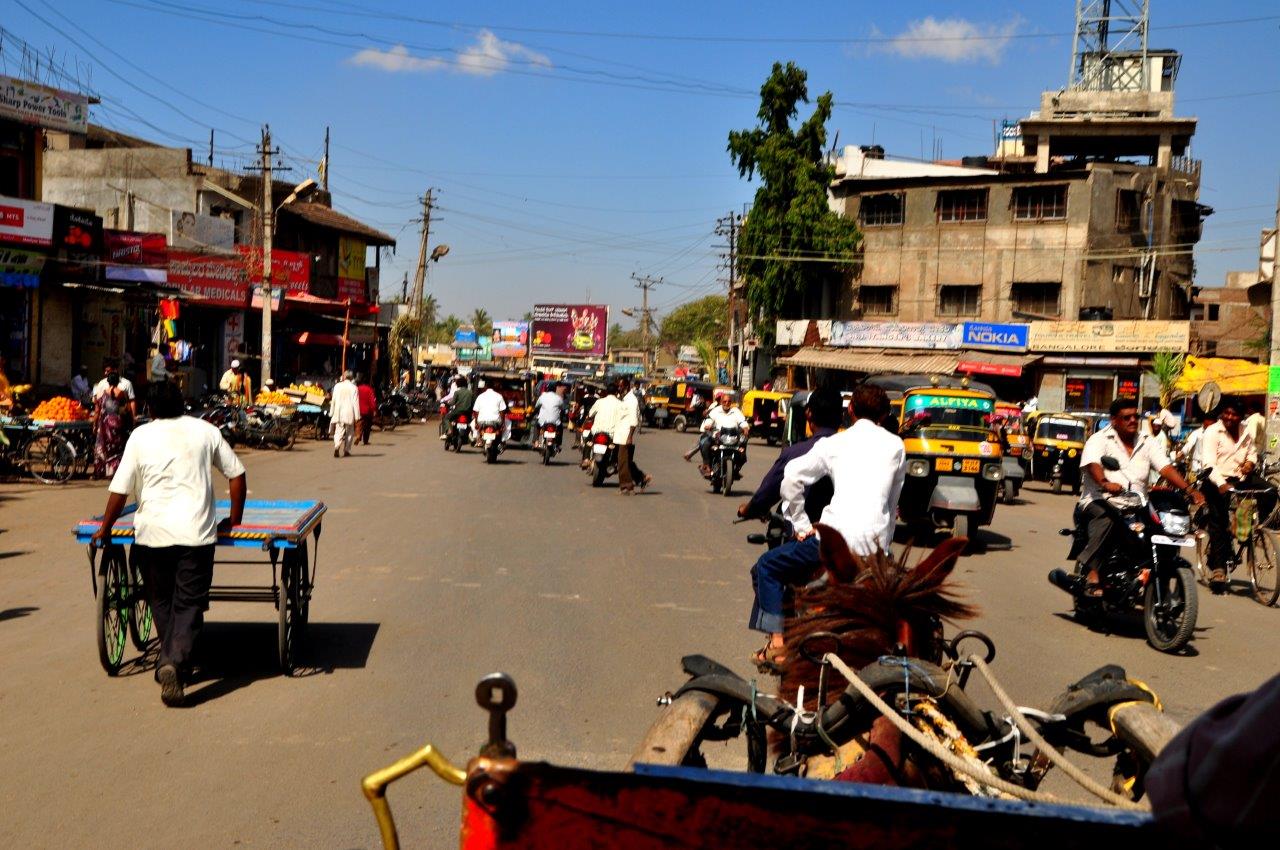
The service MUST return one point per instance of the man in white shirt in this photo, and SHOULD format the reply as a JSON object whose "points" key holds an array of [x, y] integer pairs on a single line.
{"points": [[1141, 458], [490, 406], [724, 414], [344, 413], [1192, 448], [603, 416], [110, 368], [866, 465], [624, 433], [1232, 457], [237, 385], [1256, 424], [167, 466], [549, 410]]}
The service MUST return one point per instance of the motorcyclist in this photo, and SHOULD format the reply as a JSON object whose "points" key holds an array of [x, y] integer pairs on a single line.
{"points": [[490, 408], [1139, 456], [549, 410], [1228, 452], [461, 399], [824, 413], [603, 416], [725, 414]]}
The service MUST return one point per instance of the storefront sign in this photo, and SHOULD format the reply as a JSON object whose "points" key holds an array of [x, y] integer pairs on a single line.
{"points": [[574, 329], [1273, 380], [793, 331], [466, 337], [290, 270], [1135, 336], [42, 106], [232, 337], [1105, 362], [895, 335], [996, 337], [135, 256], [510, 339], [20, 268], [77, 241], [976, 367], [211, 279], [26, 222], [351, 274]]}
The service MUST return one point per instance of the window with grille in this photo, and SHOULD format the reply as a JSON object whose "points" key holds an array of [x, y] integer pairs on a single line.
{"points": [[959, 300], [878, 300], [1128, 211], [962, 205], [880, 210], [1040, 299], [1039, 203]]}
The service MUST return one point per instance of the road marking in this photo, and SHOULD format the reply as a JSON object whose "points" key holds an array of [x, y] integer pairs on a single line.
{"points": [[671, 606], [566, 597]]}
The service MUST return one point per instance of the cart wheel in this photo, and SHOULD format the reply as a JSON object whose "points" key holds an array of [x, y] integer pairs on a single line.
{"points": [[139, 611], [304, 589], [50, 458], [287, 598], [112, 609]]}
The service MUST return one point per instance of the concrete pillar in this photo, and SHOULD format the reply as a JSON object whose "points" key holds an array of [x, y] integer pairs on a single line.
{"points": [[1042, 154], [1164, 156]]}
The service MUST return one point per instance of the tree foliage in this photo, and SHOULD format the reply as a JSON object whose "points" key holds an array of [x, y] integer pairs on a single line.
{"points": [[1166, 368], [791, 241], [618, 338], [482, 322], [707, 318]]}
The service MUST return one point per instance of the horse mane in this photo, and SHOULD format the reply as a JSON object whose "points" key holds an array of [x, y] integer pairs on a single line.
{"points": [[864, 602]]}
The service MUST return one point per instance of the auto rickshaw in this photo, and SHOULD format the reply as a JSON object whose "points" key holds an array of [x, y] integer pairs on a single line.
{"points": [[1015, 446], [518, 390], [766, 410], [657, 412], [954, 465], [688, 401], [1057, 440]]}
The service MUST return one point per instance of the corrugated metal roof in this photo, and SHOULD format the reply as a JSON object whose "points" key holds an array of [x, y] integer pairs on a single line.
{"points": [[872, 361], [324, 216]]}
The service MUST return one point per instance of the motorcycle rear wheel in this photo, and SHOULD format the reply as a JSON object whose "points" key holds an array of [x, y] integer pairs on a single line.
{"points": [[1169, 628], [599, 472]]}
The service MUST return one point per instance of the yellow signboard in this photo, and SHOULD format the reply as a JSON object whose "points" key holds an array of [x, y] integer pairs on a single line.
{"points": [[351, 258], [1125, 336]]}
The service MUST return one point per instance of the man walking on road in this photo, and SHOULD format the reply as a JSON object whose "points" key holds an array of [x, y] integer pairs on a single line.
{"points": [[344, 412], [866, 465], [368, 405], [624, 434], [166, 466]]}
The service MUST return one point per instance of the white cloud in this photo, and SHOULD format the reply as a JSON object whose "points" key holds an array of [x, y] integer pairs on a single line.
{"points": [[953, 40], [488, 56]]}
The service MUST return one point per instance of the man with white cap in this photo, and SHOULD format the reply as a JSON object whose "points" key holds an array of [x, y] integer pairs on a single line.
{"points": [[344, 412], [237, 385]]}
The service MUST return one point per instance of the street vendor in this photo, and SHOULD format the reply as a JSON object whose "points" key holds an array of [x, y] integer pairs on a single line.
{"points": [[236, 384], [166, 466]]}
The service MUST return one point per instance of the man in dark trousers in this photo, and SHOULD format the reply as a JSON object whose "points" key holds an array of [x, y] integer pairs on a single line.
{"points": [[824, 412], [167, 466]]}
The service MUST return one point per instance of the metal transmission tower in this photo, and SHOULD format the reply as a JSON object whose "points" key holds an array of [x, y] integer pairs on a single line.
{"points": [[1110, 48]]}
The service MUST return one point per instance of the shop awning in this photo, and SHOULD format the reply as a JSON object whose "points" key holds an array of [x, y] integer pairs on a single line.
{"points": [[991, 363], [332, 306], [1233, 377], [871, 361]]}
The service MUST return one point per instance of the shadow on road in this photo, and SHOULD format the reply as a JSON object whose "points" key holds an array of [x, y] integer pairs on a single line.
{"points": [[231, 656], [15, 613], [14, 554]]}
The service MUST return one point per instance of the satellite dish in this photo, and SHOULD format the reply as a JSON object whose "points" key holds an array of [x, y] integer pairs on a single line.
{"points": [[1209, 397]]}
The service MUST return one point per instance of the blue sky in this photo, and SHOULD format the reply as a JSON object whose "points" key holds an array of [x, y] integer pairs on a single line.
{"points": [[575, 144]]}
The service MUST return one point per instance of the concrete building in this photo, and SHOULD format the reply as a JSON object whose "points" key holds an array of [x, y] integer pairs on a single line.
{"points": [[1232, 320]]}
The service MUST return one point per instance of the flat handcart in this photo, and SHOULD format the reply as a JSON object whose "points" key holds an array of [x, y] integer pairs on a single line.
{"points": [[278, 528]]}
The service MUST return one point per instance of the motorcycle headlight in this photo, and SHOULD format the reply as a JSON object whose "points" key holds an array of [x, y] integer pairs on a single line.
{"points": [[1176, 524], [918, 468], [729, 439], [993, 472]]}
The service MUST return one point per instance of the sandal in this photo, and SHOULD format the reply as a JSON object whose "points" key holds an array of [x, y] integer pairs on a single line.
{"points": [[1093, 587], [648, 479], [769, 659]]}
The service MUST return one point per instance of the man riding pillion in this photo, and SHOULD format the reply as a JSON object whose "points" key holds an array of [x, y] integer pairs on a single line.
{"points": [[549, 410], [824, 414], [603, 416], [1139, 456], [490, 408], [726, 414], [1229, 453], [461, 399]]}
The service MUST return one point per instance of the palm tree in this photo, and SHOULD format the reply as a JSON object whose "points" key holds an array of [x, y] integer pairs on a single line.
{"points": [[482, 322], [430, 310], [1166, 368]]}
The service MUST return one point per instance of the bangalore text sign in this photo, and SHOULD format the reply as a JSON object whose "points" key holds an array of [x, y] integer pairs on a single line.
{"points": [[1127, 336], [52, 109], [575, 329], [895, 335], [510, 339]]}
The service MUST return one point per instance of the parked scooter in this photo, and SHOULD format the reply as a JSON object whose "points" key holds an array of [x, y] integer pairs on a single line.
{"points": [[1143, 569]]}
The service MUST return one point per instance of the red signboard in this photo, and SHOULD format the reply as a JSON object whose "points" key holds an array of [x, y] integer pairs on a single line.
{"points": [[210, 278], [135, 249], [575, 329], [1002, 370], [290, 269], [349, 288]]}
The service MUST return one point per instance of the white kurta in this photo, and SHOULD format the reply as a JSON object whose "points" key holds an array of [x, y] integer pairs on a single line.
{"points": [[344, 406]]}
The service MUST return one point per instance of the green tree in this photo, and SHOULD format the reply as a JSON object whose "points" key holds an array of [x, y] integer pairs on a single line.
{"points": [[482, 322], [430, 311], [1166, 368], [527, 317], [707, 318], [791, 243], [618, 338], [444, 330]]}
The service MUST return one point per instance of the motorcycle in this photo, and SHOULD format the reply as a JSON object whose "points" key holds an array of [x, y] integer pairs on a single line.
{"points": [[550, 443], [604, 459], [774, 535], [727, 458], [1143, 570], [489, 439], [458, 433]]}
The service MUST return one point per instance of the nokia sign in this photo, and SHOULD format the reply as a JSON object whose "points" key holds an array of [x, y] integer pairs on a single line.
{"points": [[999, 337]]}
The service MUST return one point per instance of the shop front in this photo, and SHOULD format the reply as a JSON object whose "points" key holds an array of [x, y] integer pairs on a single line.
{"points": [[26, 241]]}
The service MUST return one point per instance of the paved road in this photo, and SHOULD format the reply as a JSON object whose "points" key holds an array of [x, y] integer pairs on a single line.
{"points": [[434, 570]]}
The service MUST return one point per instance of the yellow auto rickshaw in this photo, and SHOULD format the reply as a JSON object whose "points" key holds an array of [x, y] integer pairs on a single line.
{"points": [[766, 410], [1015, 446], [954, 466], [1057, 440]]}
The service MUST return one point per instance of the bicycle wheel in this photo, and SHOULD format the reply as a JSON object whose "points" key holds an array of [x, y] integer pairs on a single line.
{"points": [[140, 620], [112, 609], [49, 458], [1263, 567]]}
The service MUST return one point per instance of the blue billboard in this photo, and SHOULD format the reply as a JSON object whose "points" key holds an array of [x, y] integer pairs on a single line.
{"points": [[998, 337]]}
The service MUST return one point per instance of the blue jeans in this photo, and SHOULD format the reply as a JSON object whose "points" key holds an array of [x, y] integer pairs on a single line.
{"points": [[790, 564]]}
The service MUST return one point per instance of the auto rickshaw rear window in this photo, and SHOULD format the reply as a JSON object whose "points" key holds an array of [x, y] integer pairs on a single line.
{"points": [[1060, 429]]}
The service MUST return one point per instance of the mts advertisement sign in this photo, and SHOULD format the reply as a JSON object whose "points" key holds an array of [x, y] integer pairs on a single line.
{"points": [[578, 330], [26, 222]]}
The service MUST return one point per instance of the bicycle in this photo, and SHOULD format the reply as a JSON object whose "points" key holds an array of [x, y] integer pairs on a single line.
{"points": [[41, 452], [1252, 545]]}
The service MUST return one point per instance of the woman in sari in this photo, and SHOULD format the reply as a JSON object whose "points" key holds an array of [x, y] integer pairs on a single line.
{"points": [[111, 422]]}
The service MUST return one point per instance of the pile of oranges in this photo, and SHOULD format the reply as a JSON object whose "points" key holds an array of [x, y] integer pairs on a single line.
{"points": [[273, 397], [59, 409]]}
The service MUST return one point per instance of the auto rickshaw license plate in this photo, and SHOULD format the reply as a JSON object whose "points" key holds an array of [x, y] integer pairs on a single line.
{"points": [[970, 465]]}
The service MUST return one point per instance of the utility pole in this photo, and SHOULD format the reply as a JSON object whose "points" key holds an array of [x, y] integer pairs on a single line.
{"points": [[728, 228], [644, 284], [420, 277], [1273, 376], [324, 178], [268, 231]]}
